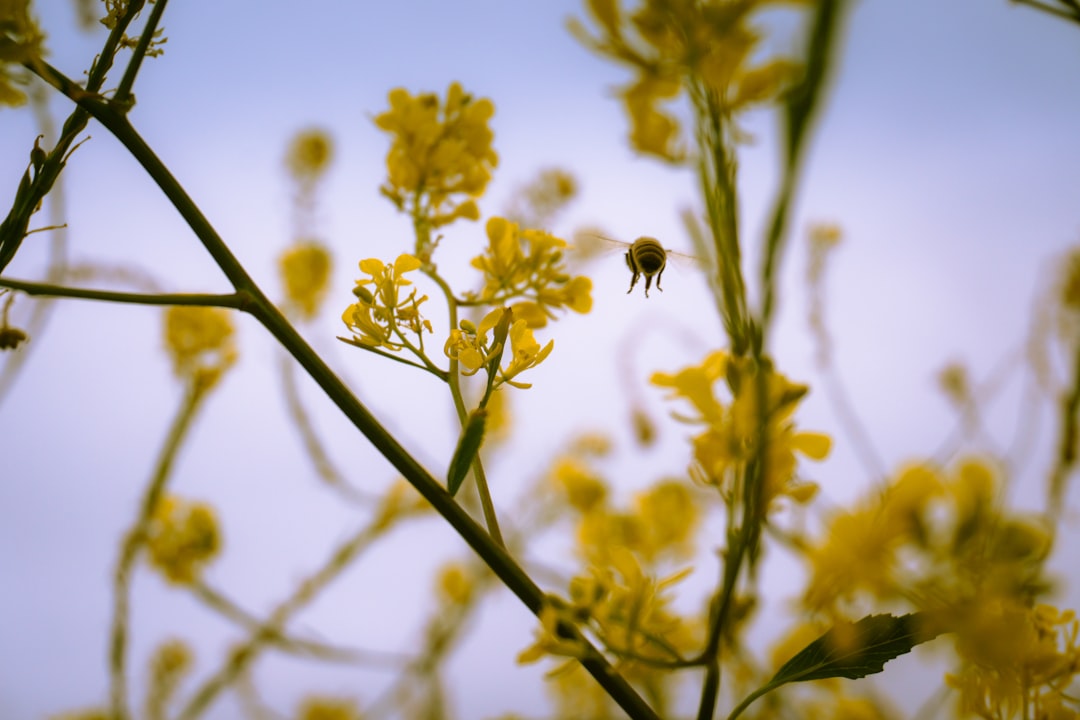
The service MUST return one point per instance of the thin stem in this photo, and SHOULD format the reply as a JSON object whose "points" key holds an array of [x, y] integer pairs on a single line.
{"points": [[122, 96], [390, 356], [241, 657], [133, 544], [494, 555], [234, 301], [229, 609], [491, 518]]}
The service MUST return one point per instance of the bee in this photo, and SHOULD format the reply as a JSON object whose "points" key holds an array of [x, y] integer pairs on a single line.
{"points": [[646, 256]]}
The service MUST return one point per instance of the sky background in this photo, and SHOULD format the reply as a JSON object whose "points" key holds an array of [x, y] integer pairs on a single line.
{"points": [[948, 152]]}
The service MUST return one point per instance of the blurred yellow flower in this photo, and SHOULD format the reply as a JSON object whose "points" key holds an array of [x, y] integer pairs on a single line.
{"points": [[305, 272], [309, 155], [200, 342], [20, 42], [182, 538]]}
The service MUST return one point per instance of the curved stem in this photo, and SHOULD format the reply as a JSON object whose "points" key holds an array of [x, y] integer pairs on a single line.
{"points": [[133, 544]]}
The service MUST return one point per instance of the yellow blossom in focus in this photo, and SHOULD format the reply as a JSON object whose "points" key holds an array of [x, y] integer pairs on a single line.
{"points": [[182, 538], [326, 708], [20, 42], [441, 156], [309, 155], [381, 316], [470, 347], [529, 266], [200, 342], [305, 272]]}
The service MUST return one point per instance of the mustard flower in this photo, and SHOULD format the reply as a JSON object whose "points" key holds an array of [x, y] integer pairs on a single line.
{"points": [[309, 155], [183, 537], [708, 47], [200, 341], [530, 266], [305, 272], [381, 315], [440, 157], [22, 40], [471, 348], [730, 439]]}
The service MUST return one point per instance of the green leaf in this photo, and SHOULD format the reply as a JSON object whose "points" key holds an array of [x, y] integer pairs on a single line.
{"points": [[855, 650], [472, 437], [849, 650]]}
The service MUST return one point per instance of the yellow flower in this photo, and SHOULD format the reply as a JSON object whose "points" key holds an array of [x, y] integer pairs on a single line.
{"points": [[309, 155], [183, 537], [381, 316], [21, 43], [584, 490], [671, 46], [526, 353], [530, 265], [441, 150], [305, 272], [455, 585], [670, 517], [200, 341]]}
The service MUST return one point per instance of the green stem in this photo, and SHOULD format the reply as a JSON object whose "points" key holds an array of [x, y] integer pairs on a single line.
{"points": [[749, 699], [122, 96], [396, 358], [133, 544], [234, 301], [494, 555], [491, 519]]}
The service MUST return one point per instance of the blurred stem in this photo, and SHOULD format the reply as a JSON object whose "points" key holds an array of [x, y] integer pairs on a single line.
{"points": [[133, 544], [260, 307], [313, 445], [298, 646], [240, 658], [716, 172], [1066, 456], [1072, 13]]}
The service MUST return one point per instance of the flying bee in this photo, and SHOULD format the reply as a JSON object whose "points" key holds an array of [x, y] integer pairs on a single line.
{"points": [[647, 258]]}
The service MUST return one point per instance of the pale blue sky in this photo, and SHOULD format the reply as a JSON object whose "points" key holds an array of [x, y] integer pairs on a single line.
{"points": [[949, 153]]}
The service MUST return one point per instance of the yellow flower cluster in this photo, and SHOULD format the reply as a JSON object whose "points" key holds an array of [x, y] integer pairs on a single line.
{"points": [[469, 345], [530, 265], [200, 341], [626, 609], [938, 539], [732, 429], [708, 46], [441, 152], [21, 43], [305, 272], [182, 538], [1018, 660], [380, 317]]}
